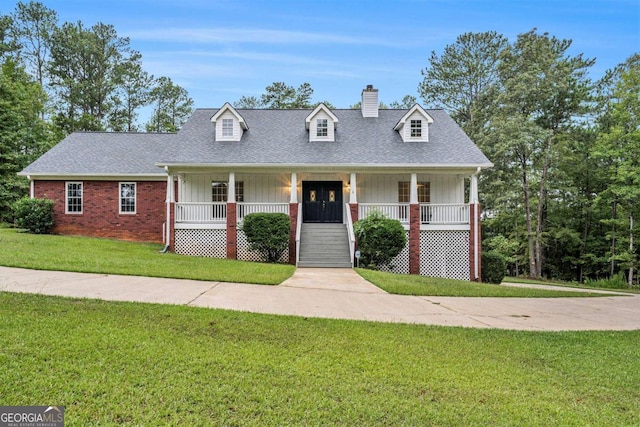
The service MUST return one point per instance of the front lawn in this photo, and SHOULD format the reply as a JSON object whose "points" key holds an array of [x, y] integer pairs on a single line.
{"points": [[404, 284], [91, 255], [118, 364]]}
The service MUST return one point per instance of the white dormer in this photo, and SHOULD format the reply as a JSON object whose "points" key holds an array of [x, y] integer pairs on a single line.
{"points": [[229, 124], [414, 126], [321, 124]]}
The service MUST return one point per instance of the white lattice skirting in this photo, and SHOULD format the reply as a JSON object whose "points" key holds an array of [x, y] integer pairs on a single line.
{"points": [[445, 254], [400, 264], [208, 243], [245, 254]]}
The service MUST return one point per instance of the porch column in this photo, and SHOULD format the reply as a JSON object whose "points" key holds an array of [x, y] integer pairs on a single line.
{"points": [[32, 189], [293, 218], [353, 197], [232, 238], [475, 247], [170, 199], [414, 227]]}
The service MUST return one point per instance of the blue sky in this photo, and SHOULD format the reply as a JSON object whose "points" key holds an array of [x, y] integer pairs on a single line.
{"points": [[220, 50]]}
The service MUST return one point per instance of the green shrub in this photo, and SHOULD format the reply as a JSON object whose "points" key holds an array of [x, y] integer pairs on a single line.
{"points": [[619, 281], [35, 215], [380, 239], [268, 233], [493, 267]]}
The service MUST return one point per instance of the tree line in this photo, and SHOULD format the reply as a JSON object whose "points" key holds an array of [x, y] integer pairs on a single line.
{"points": [[563, 198]]}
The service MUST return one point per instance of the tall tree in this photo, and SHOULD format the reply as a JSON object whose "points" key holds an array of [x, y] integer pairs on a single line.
{"points": [[84, 71], [280, 95], [618, 149], [457, 79], [546, 88], [34, 24], [133, 91], [23, 135], [172, 106], [407, 102]]}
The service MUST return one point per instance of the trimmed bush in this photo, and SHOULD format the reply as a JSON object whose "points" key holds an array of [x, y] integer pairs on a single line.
{"points": [[493, 267], [34, 215], [380, 239], [268, 233]]}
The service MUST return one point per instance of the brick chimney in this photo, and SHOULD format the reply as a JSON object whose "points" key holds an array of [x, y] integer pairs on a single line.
{"points": [[369, 104]]}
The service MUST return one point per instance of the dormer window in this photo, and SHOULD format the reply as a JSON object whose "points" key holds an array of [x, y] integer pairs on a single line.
{"points": [[227, 127], [321, 124], [416, 128], [322, 127], [414, 125], [230, 125]]}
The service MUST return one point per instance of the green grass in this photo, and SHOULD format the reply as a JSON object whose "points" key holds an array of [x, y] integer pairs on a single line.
{"points": [[91, 255], [421, 285], [114, 364]]}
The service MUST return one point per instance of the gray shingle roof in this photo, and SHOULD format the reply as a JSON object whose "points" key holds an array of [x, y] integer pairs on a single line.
{"points": [[279, 137], [274, 137], [104, 153]]}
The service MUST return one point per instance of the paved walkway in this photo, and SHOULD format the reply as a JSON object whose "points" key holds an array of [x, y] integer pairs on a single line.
{"points": [[339, 294]]}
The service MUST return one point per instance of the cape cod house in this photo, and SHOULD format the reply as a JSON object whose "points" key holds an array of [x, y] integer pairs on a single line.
{"points": [[325, 168]]}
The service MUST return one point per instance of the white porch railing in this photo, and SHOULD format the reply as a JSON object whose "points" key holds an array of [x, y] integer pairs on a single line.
{"points": [[429, 213], [201, 212], [399, 211], [244, 209], [444, 214]]}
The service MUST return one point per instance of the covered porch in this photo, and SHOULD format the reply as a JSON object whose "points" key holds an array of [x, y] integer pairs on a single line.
{"points": [[429, 204]]}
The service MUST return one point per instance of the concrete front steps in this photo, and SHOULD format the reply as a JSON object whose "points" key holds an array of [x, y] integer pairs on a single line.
{"points": [[324, 245]]}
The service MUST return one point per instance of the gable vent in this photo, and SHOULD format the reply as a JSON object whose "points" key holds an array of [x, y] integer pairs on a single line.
{"points": [[369, 104]]}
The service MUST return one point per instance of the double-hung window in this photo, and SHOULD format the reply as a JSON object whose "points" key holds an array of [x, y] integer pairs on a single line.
{"points": [[73, 204], [416, 128], [219, 192], [227, 127], [404, 192], [322, 127], [127, 197]]}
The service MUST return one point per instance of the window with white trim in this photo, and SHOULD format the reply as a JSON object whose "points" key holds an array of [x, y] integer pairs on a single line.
{"points": [[416, 128], [322, 127], [227, 127], [127, 197], [73, 202], [404, 192], [219, 191]]}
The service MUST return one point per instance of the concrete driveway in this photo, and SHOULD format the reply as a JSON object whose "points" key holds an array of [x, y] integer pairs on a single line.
{"points": [[338, 294]]}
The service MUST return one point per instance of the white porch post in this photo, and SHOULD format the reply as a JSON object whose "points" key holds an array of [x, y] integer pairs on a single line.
{"points": [[473, 191], [294, 188], [32, 189], [231, 188], [353, 198], [169, 200], [413, 198]]}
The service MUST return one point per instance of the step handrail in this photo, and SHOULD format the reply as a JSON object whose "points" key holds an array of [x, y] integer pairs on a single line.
{"points": [[352, 237]]}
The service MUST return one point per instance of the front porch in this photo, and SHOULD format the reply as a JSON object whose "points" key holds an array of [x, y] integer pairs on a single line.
{"points": [[441, 235]]}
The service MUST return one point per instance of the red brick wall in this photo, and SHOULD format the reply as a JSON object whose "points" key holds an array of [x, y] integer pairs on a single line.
{"points": [[293, 216], [232, 233], [474, 217], [100, 206], [414, 239]]}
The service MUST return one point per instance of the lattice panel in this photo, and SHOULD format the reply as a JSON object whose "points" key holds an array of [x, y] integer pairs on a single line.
{"points": [[245, 254], [445, 254], [400, 264], [208, 243]]}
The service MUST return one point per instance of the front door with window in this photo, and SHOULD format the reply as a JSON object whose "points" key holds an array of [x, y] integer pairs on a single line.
{"points": [[322, 201]]}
